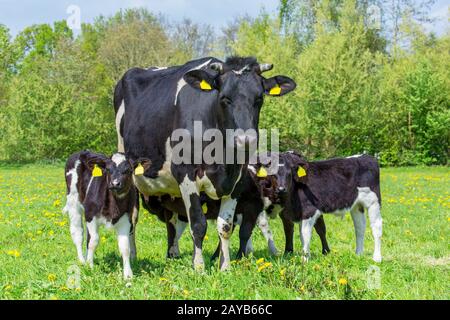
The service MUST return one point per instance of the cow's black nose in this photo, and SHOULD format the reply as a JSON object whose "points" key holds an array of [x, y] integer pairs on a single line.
{"points": [[281, 189]]}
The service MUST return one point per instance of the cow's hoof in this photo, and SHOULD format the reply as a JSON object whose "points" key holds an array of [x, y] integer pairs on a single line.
{"points": [[377, 258]]}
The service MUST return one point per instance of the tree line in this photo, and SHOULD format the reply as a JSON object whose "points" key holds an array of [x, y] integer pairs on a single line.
{"points": [[370, 78]]}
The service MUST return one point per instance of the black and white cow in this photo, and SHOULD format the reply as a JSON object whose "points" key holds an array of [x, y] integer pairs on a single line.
{"points": [[151, 103], [312, 188], [250, 211], [102, 189]]}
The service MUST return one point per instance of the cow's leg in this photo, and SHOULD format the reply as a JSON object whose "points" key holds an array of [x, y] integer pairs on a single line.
{"points": [[321, 230], [134, 220], [288, 226], [225, 228], [175, 229], [123, 230], [92, 229], [376, 223], [359, 222], [306, 233], [263, 224], [75, 211], [197, 220]]}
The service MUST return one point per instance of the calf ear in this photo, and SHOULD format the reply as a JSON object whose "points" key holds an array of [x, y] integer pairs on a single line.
{"points": [[278, 85], [200, 79], [301, 172], [140, 165], [94, 159]]}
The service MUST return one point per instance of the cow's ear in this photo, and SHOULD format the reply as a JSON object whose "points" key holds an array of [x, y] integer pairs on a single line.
{"points": [[140, 165], [301, 172], [200, 79], [278, 85], [95, 162]]}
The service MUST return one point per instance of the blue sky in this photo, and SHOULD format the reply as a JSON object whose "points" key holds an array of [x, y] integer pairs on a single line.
{"points": [[17, 14]]}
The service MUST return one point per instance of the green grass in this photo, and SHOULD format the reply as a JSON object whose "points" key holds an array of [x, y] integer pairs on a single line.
{"points": [[38, 259]]}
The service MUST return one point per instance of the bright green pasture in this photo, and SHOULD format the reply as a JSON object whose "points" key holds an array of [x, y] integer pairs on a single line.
{"points": [[38, 259]]}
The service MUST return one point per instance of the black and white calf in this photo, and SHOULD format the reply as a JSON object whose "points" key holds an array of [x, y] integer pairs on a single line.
{"points": [[101, 189], [312, 188]]}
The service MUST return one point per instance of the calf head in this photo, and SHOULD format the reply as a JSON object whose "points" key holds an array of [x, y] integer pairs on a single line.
{"points": [[293, 170], [240, 89], [118, 170]]}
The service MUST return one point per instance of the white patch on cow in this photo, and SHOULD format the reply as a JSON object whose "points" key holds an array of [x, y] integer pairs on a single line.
{"points": [[118, 158], [75, 210], [266, 202], [354, 156], [119, 116], [240, 72], [123, 228], [181, 83], [157, 68], [252, 169], [263, 224], [206, 185], [165, 183], [225, 228]]}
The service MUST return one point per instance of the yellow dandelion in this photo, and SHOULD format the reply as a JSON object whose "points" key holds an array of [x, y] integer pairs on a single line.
{"points": [[51, 233], [343, 282], [186, 293], [57, 203], [261, 260], [163, 279], [53, 298], [8, 287], [51, 277], [13, 253], [206, 238], [302, 289]]}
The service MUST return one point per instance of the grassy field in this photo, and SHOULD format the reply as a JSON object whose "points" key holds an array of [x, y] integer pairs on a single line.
{"points": [[38, 259]]}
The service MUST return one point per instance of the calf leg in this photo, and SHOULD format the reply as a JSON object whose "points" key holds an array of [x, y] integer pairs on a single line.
{"points": [[175, 229], [321, 230], [245, 234], [306, 233], [225, 228], [263, 225], [359, 222], [134, 220], [75, 211], [376, 223], [92, 229], [288, 226], [123, 229]]}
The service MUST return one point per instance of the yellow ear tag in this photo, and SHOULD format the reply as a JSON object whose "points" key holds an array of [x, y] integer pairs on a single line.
{"points": [[205, 208], [96, 172], [301, 172], [205, 85], [139, 171], [262, 173], [275, 91]]}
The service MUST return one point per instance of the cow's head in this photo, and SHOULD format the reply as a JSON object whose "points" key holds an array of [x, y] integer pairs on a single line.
{"points": [[240, 89], [118, 170]]}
